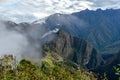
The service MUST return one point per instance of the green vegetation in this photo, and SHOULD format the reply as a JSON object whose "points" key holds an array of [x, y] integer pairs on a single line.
{"points": [[117, 70], [105, 76], [52, 68]]}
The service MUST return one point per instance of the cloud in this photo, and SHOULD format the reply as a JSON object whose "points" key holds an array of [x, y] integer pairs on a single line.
{"points": [[5, 2], [24, 42], [106, 4], [29, 10], [11, 42]]}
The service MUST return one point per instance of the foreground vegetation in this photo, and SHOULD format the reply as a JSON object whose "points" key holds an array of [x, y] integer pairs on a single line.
{"points": [[117, 70], [51, 68]]}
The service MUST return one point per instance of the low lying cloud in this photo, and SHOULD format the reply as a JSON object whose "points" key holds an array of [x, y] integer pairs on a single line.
{"points": [[11, 42], [23, 43]]}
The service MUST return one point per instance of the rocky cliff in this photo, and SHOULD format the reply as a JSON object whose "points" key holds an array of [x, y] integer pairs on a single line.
{"points": [[75, 49]]}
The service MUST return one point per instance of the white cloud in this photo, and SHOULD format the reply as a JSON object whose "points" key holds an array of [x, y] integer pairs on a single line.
{"points": [[29, 10], [106, 4], [5, 2], [40, 15]]}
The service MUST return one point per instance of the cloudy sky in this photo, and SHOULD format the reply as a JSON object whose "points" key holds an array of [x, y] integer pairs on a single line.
{"points": [[30, 10]]}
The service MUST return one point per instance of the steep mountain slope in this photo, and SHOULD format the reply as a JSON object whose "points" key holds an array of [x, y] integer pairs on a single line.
{"points": [[74, 49], [101, 27]]}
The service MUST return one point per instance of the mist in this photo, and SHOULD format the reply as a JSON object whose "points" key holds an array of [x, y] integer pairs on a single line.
{"points": [[11, 42], [23, 43]]}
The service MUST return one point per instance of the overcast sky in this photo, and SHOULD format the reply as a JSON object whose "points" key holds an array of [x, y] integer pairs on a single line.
{"points": [[30, 10]]}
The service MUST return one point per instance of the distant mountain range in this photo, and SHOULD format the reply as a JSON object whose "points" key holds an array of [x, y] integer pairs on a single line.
{"points": [[101, 28]]}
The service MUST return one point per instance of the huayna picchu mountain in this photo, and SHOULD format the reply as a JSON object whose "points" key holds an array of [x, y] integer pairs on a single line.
{"points": [[74, 49]]}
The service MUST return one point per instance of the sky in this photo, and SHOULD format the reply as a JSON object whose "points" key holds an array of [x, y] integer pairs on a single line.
{"points": [[30, 10]]}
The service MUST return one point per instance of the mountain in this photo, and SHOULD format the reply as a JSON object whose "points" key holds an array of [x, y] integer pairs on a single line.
{"points": [[100, 28], [57, 41], [74, 49]]}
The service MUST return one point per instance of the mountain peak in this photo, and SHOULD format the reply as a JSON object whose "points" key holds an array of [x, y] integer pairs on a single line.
{"points": [[75, 49]]}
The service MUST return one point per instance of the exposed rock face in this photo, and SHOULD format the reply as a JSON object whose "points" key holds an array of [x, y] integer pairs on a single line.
{"points": [[75, 49]]}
